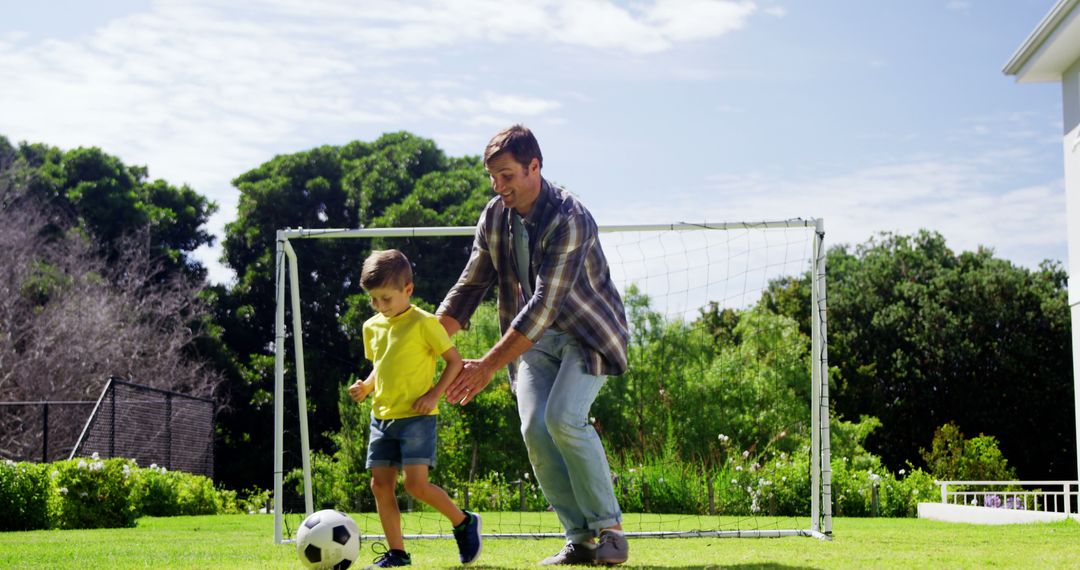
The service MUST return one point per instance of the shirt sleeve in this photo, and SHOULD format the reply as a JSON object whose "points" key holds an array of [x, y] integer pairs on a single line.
{"points": [[369, 351], [563, 257], [435, 336], [475, 280]]}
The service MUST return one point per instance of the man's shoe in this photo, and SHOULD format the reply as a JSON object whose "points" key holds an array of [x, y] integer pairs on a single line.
{"points": [[613, 548], [467, 535], [391, 559], [571, 554]]}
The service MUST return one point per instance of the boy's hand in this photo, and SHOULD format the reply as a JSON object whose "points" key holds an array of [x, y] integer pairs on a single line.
{"points": [[424, 404], [359, 390]]}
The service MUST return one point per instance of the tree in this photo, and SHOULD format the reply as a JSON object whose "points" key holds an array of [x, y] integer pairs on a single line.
{"points": [[70, 319], [399, 179], [110, 200], [920, 336]]}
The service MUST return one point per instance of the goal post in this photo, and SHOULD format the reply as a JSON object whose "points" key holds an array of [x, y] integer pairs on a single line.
{"points": [[689, 284]]}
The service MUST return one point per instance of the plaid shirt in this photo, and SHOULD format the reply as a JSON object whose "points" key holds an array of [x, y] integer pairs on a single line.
{"points": [[572, 289]]}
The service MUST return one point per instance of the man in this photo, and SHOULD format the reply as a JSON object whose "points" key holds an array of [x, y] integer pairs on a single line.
{"points": [[564, 331]]}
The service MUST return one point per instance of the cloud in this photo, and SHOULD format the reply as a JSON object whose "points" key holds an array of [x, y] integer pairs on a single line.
{"points": [[200, 91], [968, 200]]}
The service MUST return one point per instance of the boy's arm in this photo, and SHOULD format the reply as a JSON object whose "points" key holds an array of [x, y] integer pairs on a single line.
{"points": [[454, 364], [361, 388]]}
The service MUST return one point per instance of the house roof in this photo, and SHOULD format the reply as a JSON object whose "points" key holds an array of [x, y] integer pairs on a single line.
{"points": [[1051, 49]]}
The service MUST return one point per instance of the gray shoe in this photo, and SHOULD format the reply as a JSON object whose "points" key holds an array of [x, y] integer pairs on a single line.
{"points": [[613, 548], [571, 554]]}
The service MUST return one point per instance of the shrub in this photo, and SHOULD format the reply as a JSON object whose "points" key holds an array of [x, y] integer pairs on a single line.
{"points": [[24, 496], [95, 493]]}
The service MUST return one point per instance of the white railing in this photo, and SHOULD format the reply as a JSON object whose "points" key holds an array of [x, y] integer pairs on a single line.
{"points": [[1038, 496]]}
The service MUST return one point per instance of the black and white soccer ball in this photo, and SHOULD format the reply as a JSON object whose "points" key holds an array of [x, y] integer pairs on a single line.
{"points": [[328, 540]]}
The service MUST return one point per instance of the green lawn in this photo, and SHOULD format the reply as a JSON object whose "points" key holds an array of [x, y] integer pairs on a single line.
{"points": [[239, 541]]}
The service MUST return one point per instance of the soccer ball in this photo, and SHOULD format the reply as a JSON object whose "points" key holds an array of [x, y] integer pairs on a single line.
{"points": [[328, 539]]}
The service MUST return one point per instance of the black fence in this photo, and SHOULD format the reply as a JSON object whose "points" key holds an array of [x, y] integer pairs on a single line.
{"points": [[41, 431], [149, 425]]}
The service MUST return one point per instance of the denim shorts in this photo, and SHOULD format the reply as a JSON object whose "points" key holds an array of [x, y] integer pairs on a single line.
{"points": [[404, 441]]}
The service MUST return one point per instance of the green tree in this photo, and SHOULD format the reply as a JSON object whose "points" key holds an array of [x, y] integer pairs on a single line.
{"points": [[111, 200], [920, 336]]}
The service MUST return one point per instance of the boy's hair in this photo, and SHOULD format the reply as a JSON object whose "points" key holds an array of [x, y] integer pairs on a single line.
{"points": [[517, 140], [386, 268]]}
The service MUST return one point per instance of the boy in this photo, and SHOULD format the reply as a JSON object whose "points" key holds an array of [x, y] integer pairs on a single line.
{"points": [[402, 341]]}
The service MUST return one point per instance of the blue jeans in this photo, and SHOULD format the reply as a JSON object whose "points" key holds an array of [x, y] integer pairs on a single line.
{"points": [[554, 394], [404, 441]]}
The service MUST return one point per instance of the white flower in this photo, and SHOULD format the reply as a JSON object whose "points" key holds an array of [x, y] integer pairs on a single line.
{"points": [[63, 490], [95, 456], [97, 466], [163, 469], [592, 420], [746, 454], [738, 467], [9, 462], [734, 482], [153, 465], [661, 480], [526, 475], [784, 478], [783, 455], [81, 464], [723, 438], [902, 471], [755, 467], [83, 494], [54, 474]]}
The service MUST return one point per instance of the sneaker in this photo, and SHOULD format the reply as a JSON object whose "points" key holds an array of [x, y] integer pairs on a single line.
{"points": [[467, 535], [571, 554], [391, 558], [613, 548]]}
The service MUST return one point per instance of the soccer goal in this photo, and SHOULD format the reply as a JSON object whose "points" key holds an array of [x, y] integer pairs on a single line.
{"points": [[719, 428]]}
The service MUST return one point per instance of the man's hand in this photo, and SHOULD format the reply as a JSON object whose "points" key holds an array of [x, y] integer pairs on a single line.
{"points": [[424, 404], [473, 378], [360, 390]]}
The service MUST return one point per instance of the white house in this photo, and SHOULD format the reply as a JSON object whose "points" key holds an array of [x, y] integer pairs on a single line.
{"points": [[1052, 53]]}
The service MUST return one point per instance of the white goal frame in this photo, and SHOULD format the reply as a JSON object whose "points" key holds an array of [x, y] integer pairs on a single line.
{"points": [[820, 470]]}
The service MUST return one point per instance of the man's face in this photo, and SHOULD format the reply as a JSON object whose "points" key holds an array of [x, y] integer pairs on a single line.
{"points": [[390, 301], [517, 185]]}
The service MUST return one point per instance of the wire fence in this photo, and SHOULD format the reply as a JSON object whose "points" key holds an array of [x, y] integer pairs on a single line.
{"points": [[149, 425]]}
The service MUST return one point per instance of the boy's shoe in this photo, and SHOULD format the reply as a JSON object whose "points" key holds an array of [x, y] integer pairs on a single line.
{"points": [[613, 548], [392, 558], [467, 535], [571, 554]]}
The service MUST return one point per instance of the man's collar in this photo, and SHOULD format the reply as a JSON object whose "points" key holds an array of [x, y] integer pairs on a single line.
{"points": [[540, 205]]}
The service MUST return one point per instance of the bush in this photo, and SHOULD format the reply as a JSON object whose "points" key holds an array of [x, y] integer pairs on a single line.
{"points": [[94, 494], [24, 496], [159, 492]]}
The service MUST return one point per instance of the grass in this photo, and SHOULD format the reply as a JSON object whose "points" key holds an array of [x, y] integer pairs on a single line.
{"points": [[245, 541]]}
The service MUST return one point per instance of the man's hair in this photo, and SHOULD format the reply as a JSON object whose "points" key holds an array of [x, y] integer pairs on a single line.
{"points": [[386, 268], [517, 140]]}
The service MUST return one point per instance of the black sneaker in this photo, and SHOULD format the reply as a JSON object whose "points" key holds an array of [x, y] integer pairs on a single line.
{"points": [[613, 548], [467, 535], [392, 558], [577, 554]]}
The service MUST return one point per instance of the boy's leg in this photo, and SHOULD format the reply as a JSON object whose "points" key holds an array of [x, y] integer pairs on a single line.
{"points": [[418, 455], [383, 484], [418, 485]]}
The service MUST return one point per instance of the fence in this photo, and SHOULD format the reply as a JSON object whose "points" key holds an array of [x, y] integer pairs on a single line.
{"points": [[41, 431], [1037, 496], [149, 425]]}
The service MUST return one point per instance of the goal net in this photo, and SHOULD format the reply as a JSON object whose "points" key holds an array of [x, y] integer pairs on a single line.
{"points": [[720, 426]]}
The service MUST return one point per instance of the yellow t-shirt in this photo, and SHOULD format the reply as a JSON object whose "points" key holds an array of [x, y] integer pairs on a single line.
{"points": [[404, 349]]}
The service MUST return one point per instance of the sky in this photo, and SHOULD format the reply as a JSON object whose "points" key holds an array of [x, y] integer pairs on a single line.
{"points": [[875, 116]]}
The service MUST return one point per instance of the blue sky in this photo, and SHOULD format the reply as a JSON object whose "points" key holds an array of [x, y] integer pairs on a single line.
{"points": [[877, 116]]}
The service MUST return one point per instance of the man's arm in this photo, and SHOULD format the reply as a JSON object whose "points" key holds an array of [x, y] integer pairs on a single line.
{"points": [[477, 374]]}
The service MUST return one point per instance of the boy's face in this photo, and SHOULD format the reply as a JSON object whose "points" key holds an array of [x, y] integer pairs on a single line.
{"points": [[390, 301]]}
